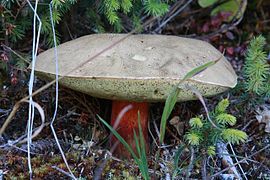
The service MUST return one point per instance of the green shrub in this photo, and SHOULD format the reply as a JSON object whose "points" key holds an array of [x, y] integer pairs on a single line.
{"points": [[17, 16], [204, 135], [256, 69]]}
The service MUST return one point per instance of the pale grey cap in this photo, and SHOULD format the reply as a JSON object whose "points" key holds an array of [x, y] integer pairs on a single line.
{"points": [[141, 67]]}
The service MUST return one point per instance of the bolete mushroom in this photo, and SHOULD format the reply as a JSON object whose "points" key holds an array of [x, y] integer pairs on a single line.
{"points": [[139, 70]]}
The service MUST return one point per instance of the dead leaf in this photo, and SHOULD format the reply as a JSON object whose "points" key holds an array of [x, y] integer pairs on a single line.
{"points": [[179, 125]]}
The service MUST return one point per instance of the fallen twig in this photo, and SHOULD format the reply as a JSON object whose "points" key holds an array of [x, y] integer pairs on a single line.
{"points": [[13, 112], [243, 160]]}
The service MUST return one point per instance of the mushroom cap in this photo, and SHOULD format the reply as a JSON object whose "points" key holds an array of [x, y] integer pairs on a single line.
{"points": [[140, 68]]}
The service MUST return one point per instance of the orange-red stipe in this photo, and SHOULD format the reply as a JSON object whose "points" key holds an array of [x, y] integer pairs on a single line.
{"points": [[128, 123]]}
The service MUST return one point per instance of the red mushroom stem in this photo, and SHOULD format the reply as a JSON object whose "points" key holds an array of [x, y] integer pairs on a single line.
{"points": [[127, 124]]}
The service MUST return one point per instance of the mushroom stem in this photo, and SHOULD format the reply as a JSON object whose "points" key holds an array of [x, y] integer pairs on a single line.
{"points": [[126, 125]]}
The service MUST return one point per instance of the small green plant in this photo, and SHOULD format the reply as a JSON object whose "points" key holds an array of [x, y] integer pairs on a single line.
{"points": [[177, 169], [140, 158], [204, 135], [256, 69], [112, 8], [172, 98]]}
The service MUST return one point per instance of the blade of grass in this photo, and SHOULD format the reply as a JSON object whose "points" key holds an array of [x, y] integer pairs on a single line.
{"points": [[177, 155], [119, 137], [143, 156], [141, 159], [172, 98], [169, 104], [137, 143], [176, 161], [200, 69]]}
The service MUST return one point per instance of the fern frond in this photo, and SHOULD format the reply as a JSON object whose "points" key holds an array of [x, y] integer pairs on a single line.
{"points": [[25, 23], [112, 5], [46, 25], [225, 119], [57, 3], [234, 136]]}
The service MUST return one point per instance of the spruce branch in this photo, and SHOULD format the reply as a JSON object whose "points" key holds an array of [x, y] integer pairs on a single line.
{"points": [[196, 123], [193, 138], [222, 106], [234, 136], [155, 7], [211, 150], [256, 68], [225, 119], [205, 137]]}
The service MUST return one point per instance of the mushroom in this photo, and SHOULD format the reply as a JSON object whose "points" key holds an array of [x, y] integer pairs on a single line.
{"points": [[137, 71]]}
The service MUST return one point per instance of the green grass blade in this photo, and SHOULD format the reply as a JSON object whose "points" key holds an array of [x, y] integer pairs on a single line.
{"points": [[172, 98], [177, 169], [200, 69], [141, 161], [142, 154], [177, 155], [169, 104], [137, 143], [141, 136], [119, 137]]}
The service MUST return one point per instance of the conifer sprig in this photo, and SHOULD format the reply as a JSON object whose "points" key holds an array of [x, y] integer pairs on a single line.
{"points": [[234, 136], [112, 8], [203, 135], [256, 68]]}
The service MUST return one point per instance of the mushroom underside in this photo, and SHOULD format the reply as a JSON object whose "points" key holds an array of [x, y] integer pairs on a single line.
{"points": [[150, 90]]}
